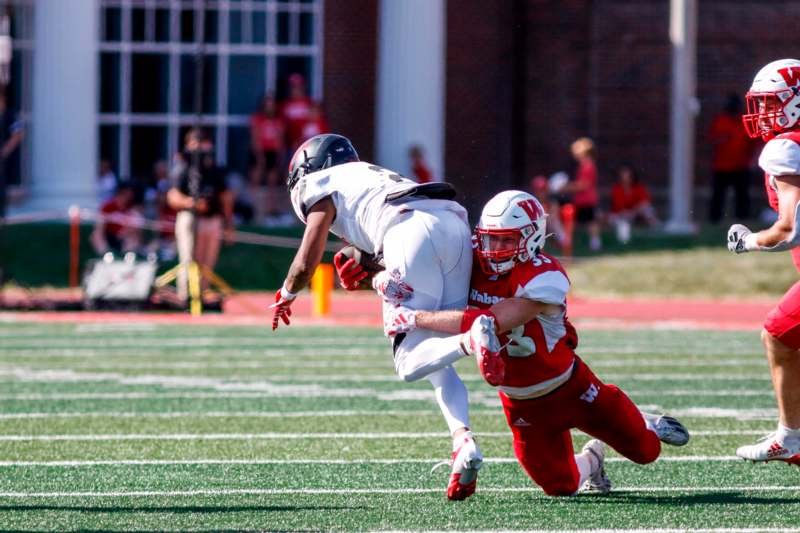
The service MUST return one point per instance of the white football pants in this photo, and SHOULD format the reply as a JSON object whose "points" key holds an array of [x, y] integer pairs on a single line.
{"points": [[432, 251]]}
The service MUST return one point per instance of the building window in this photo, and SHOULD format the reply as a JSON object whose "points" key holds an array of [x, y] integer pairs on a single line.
{"points": [[19, 92], [148, 72]]}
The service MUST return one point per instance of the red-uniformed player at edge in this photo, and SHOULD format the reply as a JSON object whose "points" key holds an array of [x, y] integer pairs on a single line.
{"points": [[773, 113]]}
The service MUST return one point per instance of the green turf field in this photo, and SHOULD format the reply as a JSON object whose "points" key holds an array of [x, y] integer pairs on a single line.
{"points": [[142, 427]]}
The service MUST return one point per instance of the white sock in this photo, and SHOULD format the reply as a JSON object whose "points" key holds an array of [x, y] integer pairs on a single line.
{"points": [[458, 440], [586, 463], [785, 432], [451, 395]]}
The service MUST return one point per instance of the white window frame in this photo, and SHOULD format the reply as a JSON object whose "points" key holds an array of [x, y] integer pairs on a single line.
{"points": [[173, 119]]}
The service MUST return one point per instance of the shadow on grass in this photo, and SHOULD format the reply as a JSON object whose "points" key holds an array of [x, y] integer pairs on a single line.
{"points": [[187, 509], [679, 500]]}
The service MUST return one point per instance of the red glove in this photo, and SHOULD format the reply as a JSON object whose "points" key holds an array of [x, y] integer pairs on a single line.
{"points": [[350, 273], [282, 306]]}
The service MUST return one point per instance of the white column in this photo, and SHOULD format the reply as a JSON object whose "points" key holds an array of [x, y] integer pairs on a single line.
{"points": [[411, 87], [683, 36], [64, 125]]}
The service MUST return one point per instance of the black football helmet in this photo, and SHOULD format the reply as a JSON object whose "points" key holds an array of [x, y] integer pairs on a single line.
{"points": [[321, 151]]}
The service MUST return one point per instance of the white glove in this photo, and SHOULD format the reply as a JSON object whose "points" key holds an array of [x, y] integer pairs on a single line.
{"points": [[399, 320], [391, 287], [741, 239]]}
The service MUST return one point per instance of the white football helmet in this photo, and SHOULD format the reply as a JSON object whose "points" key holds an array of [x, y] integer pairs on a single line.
{"points": [[511, 230], [773, 101]]}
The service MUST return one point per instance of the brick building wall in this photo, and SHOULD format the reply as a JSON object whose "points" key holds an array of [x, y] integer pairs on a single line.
{"points": [[526, 77], [349, 76]]}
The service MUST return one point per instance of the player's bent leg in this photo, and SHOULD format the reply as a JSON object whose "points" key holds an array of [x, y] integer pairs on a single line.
{"points": [[781, 339], [549, 461], [609, 415], [452, 397]]}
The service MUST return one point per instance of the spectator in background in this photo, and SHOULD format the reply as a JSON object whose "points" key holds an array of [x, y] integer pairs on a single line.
{"points": [[106, 181], [204, 207], [419, 167], [584, 189], [267, 141], [11, 135], [731, 160], [630, 202], [295, 111], [315, 124], [118, 228]]}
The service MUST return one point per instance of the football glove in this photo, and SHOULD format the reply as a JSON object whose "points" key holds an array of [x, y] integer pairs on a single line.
{"points": [[736, 238], [399, 320], [350, 273], [391, 287], [282, 307]]}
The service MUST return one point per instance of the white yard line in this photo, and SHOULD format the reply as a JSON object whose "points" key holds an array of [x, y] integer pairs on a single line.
{"points": [[372, 491], [245, 462], [291, 436], [694, 412]]}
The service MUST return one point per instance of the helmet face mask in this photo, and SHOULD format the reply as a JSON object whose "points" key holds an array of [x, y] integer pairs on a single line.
{"points": [[773, 101], [511, 230]]}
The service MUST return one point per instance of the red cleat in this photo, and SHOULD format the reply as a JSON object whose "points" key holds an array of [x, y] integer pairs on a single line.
{"points": [[467, 460]]}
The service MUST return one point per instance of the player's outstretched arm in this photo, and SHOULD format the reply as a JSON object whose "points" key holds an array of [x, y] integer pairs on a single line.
{"points": [[318, 223], [784, 234], [508, 314]]}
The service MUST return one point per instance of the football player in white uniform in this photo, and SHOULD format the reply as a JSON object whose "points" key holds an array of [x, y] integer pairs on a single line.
{"points": [[424, 237], [773, 113]]}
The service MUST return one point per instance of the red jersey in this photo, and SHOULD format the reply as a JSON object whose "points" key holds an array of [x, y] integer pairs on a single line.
{"points": [[115, 215], [269, 131], [779, 158], [623, 199], [295, 113], [539, 355], [587, 173], [733, 148], [314, 127]]}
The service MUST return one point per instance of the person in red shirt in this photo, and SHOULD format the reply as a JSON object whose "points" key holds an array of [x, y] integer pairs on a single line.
{"points": [[584, 189], [630, 201], [316, 124], [732, 156], [419, 167], [518, 298], [118, 226], [296, 110], [267, 133]]}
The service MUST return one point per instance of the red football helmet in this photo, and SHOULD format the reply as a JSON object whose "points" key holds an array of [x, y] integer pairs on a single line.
{"points": [[773, 101], [511, 230]]}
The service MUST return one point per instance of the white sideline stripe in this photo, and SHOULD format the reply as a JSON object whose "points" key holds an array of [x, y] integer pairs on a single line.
{"points": [[235, 414], [659, 530], [294, 436], [694, 412], [189, 462], [286, 391], [255, 491]]}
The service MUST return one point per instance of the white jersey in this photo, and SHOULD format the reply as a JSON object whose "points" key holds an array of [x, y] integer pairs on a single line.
{"points": [[359, 191]]}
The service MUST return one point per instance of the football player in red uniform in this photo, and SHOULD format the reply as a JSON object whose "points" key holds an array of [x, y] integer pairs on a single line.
{"points": [[773, 113], [518, 297]]}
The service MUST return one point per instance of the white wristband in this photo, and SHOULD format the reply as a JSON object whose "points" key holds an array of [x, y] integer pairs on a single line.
{"points": [[751, 243], [286, 294]]}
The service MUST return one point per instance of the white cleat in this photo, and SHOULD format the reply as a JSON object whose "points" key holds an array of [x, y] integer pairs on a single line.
{"points": [[772, 448], [467, 460], [598, 480], [668, 429], [481, 341]]}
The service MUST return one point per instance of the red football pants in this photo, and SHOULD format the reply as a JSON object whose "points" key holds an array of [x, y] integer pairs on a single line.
{"points": [[783, 322], [541, 427]]}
